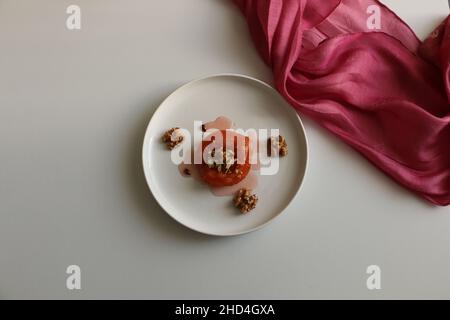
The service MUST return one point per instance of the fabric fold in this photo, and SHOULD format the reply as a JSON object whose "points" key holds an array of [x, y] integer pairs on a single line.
{"points": [[358, 70]]}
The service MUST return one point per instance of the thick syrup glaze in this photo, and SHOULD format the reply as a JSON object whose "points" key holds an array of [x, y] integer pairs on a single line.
{"points": [[221, 123]]}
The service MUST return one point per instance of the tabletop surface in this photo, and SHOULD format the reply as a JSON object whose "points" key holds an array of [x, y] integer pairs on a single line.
{"points": [[74, 105]]}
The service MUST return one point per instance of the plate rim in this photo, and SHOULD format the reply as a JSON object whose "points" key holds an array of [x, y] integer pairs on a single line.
{"points": [[146, 143]]}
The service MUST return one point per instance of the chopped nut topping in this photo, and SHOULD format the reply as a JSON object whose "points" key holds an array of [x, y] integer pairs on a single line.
{"points": [[222, 161], [172, 138], [245, 201], [277, 145], [238, 172]]}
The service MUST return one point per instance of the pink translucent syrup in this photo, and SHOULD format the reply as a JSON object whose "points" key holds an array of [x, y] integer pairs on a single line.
{"points": [[221, 123], [190, 170]]}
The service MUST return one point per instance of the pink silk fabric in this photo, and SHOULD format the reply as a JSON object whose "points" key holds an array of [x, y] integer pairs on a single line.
{"points": [[383, 91]]}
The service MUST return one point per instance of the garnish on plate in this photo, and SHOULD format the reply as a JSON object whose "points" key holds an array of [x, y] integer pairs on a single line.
{"points": [[172, 138], [277, 146], [245, 201]]}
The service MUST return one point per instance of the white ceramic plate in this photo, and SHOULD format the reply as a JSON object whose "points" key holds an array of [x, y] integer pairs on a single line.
{"points": [[250, 103]]}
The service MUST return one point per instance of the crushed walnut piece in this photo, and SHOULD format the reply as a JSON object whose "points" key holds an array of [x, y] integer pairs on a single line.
{"points": [[277, 145], [172, 138], [245, 201], [238, 172]]}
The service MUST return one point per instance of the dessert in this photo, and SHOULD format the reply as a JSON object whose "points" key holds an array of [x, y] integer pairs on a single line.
{"points": [[225, 162], [226, 157]]}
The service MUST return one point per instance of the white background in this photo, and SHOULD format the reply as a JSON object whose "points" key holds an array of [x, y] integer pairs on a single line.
{"points": [[73, 110]]}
